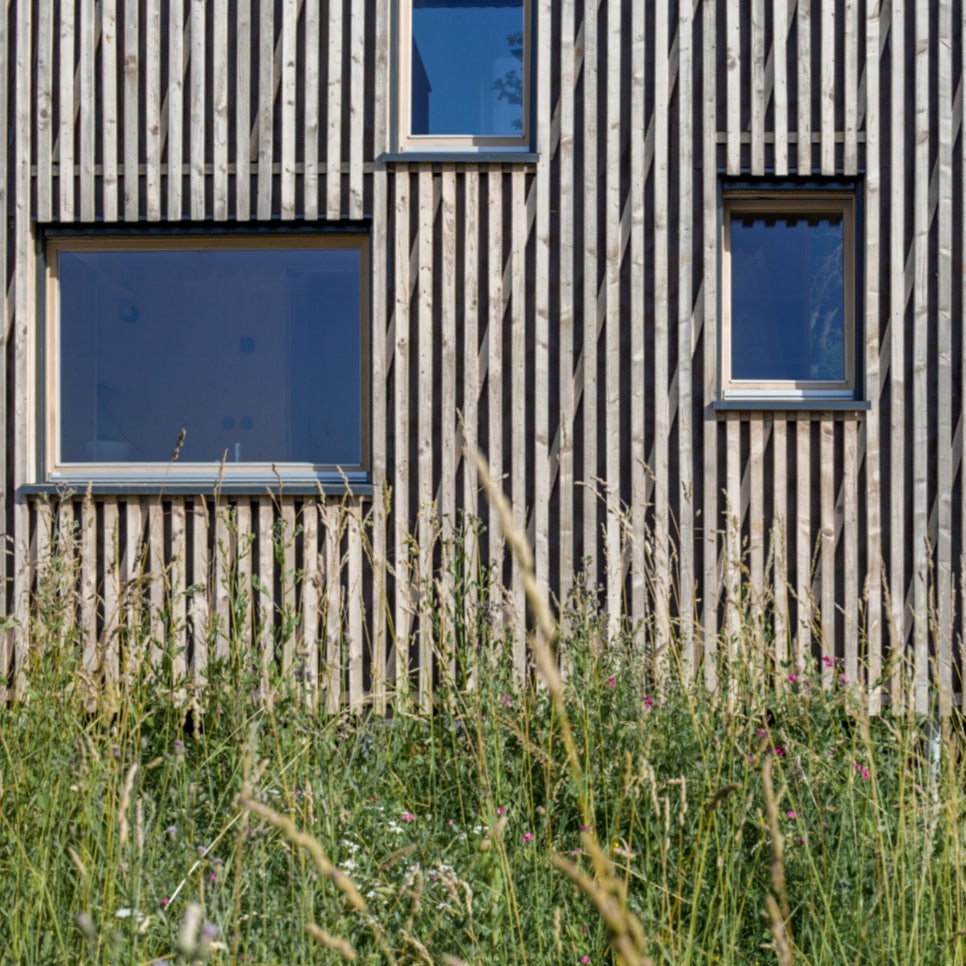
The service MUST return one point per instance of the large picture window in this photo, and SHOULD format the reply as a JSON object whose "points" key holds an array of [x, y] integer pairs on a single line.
{"points": [[464, 73], [788, 282], [255, 346]]}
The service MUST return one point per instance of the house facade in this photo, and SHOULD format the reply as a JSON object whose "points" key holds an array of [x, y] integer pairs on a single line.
{"points": [[689, 275]]}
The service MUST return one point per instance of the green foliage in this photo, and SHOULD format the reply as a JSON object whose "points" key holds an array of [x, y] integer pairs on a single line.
{"points": [[116, 816]]}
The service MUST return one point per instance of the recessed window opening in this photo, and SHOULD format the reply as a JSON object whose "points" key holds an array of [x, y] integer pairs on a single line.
{"points": [[788, 319], [255, 346]]}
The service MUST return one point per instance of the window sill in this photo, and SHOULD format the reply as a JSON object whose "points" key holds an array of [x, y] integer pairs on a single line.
{"points": [[791, 405], [496, 156], [160, 488]]}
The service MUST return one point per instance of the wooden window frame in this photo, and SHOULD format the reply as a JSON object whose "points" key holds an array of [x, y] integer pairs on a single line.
{"points": [[468, 144], [149, 473], [790, 202]]}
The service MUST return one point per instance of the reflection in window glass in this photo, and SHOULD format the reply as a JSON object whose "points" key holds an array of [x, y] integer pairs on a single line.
{"points": [[256, 354], [787, 298], [467, 67]]}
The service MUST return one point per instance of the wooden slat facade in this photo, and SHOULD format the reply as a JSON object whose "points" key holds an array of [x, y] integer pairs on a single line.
{"points": [[560, 311]]}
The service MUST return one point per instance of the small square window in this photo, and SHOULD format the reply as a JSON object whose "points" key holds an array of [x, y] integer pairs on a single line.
{"points": [[256, 346], [787, 294], [464, 74]]}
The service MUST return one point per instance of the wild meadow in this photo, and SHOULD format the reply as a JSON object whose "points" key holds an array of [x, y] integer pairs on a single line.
{"points": [[603, 814]]}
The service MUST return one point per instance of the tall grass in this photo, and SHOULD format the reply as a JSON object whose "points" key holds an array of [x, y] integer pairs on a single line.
{"points": [[562, 821]]}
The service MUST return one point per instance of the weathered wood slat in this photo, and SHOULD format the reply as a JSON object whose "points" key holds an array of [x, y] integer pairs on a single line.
{"points": [[199, 126], [516, 412], [152, 110], [266, 105], [65, 139], [803, 545], [333, 139], [779, 541], [223, 581], [355, 616], [357, 100], [871, 247], [131, 114], [333, 605], [826, 575], [243, 562], [312, 576], [109, 181], [175, 105], [198, 604], [850, 537], [287, 581], [45, 111], [264, 519], [850, 95], [758, 97], [780, 27], [803, 33], [109, 635], [87, 106], [494, 342], [756, 521], [733, 79], [310, 121], [288, 95], [243, 119], [827, 88], [219, 99]]}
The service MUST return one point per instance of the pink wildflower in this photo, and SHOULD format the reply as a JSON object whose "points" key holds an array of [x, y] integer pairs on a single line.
{"points": [[507, 700], [779, 751], [500, 809], [648, 701], [585, 959], [865, 773], [408, 817], [165, 902], [792, 678], [791, 814], [612, 682], [526, 837], [761, 732]]}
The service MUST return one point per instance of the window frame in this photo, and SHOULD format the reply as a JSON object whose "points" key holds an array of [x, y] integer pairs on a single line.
{"points": [[792, 200], [468, 144], [138, 474]]}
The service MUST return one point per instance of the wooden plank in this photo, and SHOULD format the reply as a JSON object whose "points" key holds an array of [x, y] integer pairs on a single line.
{"points": [[850, 537], [310, 121], [134, 583], [308, 644], [494, 337], [65, 139], [758, 97], [428, 186], [131, 117], [91, 656], [21, 228], [201, 566], [400, 507], [45, 114], [224, 588], [803, 545], [872, 496], [355, 602], [662, 415], [22, 334], [685, 454], [565, 274], [591, 472], [199, 126], [779, 538], [612, 312], [333, 137], [733, 81], [157, 576], [219, 104], [288, 580], [944, 333], [243, 120], [109, 182], [804, 35], [920, 361], [827, 93], [265, 597], [780, 22], [266, 104], [732, 541], [112, 599], [288, 93], [827, 537], [357, 101], [850, 157], [756, 518], [152, 110], [175, 139], [86, 71], [517, 407], [897, 388], [177, 598], [333, 610], [709, 443], [243, 562]]}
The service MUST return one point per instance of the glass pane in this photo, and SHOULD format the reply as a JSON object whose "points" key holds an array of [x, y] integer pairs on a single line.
{"points": [[467, 67], [787, 298], [255, 353]]}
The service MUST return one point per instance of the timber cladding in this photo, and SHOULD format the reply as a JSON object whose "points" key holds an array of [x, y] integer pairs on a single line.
{"points": [[558, 309]]}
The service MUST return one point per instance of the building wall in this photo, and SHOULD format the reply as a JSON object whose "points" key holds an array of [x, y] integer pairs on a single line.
{"points": [[559, 313]]}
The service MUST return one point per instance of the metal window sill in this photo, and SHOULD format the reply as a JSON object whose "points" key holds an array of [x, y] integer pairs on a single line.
{"points": [[328, 488], [764, 404]]}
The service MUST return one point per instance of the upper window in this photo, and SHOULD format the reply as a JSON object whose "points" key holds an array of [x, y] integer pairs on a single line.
{"points": [[464, 78], [255, 346], [788, 283]]}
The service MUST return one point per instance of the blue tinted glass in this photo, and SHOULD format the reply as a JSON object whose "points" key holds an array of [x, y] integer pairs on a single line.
{"points": [[256, 354], [467, 67], [787, 298]]}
